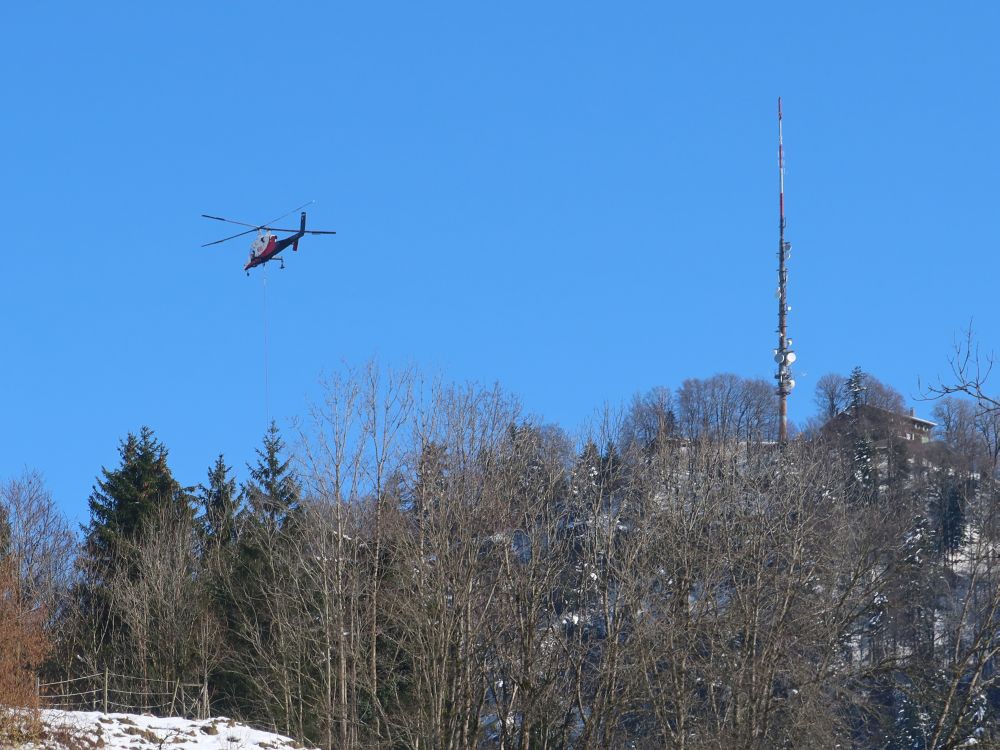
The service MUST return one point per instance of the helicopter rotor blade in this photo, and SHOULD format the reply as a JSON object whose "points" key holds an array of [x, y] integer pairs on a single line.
{"points": [[230, 237], [259, 226], [230, 221], [289, 214], [255, 227], [296, 231]]}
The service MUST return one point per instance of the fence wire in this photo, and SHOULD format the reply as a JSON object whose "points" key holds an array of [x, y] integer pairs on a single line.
{"points": [[109, 691]]}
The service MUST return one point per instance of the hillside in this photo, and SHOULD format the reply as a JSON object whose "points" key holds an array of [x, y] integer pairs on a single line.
{"points": [[78, 730]]}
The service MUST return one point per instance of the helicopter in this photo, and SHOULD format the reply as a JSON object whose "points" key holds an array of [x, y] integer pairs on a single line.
{"points": [[266, 246]]}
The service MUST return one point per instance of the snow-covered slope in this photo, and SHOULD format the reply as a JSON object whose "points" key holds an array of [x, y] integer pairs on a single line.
{"points": [[79, 730]]}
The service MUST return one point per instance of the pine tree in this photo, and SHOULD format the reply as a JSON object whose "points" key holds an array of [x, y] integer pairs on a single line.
{"points": [[219, 504], [863, 458], [125, 500], [856, 390], [219, 501], [129, 507], [273, 492], [270, 500], [946, 508], [584, 487], [611, 468]]}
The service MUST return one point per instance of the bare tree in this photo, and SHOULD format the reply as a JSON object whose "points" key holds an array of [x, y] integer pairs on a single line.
{"points": [[651, 418], [883, 396], [443, 607], [39, 542], [970, 373], [831, 396], [353, 460], [23, 646], [530, 662], [169, 633], [959, 428], [726, 407], [950, 679], [759, 582]]}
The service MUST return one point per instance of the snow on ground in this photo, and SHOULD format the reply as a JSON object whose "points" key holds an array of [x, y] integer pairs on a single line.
{"points": [[82, 730]]}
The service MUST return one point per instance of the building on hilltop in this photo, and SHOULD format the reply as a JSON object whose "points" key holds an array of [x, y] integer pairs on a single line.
{"points": [[881, 424]]}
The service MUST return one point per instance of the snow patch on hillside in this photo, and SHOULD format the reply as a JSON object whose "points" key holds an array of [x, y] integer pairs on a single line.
{"points": [[82, 730]]}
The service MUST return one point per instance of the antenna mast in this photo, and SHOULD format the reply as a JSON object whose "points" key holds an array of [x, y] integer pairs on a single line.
{"points": [[783, 355]]}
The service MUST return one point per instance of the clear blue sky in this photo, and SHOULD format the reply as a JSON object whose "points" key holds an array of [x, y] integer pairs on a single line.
{"points": [[575, 199]]}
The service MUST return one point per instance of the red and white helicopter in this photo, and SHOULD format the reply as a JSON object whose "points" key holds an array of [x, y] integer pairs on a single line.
{"points": [[267, 245]]}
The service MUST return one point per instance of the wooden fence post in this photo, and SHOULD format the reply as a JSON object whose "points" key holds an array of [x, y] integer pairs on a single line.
{"points": [[105, 690]]}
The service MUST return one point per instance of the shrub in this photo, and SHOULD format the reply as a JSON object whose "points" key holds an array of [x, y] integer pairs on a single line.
{"points": [[23, 646]]}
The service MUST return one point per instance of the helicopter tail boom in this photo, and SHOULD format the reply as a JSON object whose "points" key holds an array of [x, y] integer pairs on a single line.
{"points": [[302, 231]]}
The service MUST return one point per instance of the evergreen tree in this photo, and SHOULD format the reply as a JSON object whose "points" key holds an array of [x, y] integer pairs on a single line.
{"points": [[246, 601], [864, 466], [612, 469], [585, 484], [124, 501], [130, 507], [946, 507], [273, 491], [224, 576], [219, 504], [856, 390], [863, 457]]}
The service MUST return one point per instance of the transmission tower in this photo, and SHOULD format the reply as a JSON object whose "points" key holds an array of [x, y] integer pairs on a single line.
{"points": [[783, 355]]}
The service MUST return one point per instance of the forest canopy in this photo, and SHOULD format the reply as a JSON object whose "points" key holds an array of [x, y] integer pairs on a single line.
{"points": [[423, 566]]}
